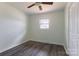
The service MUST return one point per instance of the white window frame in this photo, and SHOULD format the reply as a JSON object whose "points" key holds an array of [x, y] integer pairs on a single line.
{"points": [[44, 23]]}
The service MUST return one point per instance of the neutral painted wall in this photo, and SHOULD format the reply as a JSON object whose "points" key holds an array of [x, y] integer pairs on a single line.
{"points": [[13, 27], [56, 32]]}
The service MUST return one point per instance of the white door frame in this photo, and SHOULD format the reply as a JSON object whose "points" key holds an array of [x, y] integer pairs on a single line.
{"points": [[71, 50]]}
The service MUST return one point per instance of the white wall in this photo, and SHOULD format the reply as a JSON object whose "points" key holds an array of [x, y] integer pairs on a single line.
{"points": [[56, 32], [13, 27]]}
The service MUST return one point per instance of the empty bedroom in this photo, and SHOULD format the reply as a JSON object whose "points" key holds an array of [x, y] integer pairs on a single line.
{"points": [[39, 29]]}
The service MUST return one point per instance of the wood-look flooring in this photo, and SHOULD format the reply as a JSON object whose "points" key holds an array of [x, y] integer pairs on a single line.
{"points": [[32, 48]]}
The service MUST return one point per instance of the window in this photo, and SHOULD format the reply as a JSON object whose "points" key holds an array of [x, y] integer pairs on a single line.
{"points": [[44, 24]]}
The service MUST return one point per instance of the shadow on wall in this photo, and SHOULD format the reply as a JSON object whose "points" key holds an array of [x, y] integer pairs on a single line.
{"points": [[12, 27]]}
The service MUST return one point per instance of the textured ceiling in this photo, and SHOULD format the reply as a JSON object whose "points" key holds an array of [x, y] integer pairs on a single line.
{"points": [[46, 8]]}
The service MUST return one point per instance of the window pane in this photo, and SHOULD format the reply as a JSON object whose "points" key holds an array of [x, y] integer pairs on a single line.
{"points": [[44, 21], [44, 24]]}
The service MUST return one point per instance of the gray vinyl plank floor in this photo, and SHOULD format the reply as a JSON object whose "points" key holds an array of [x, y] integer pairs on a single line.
{"points": [[33, 48]]}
